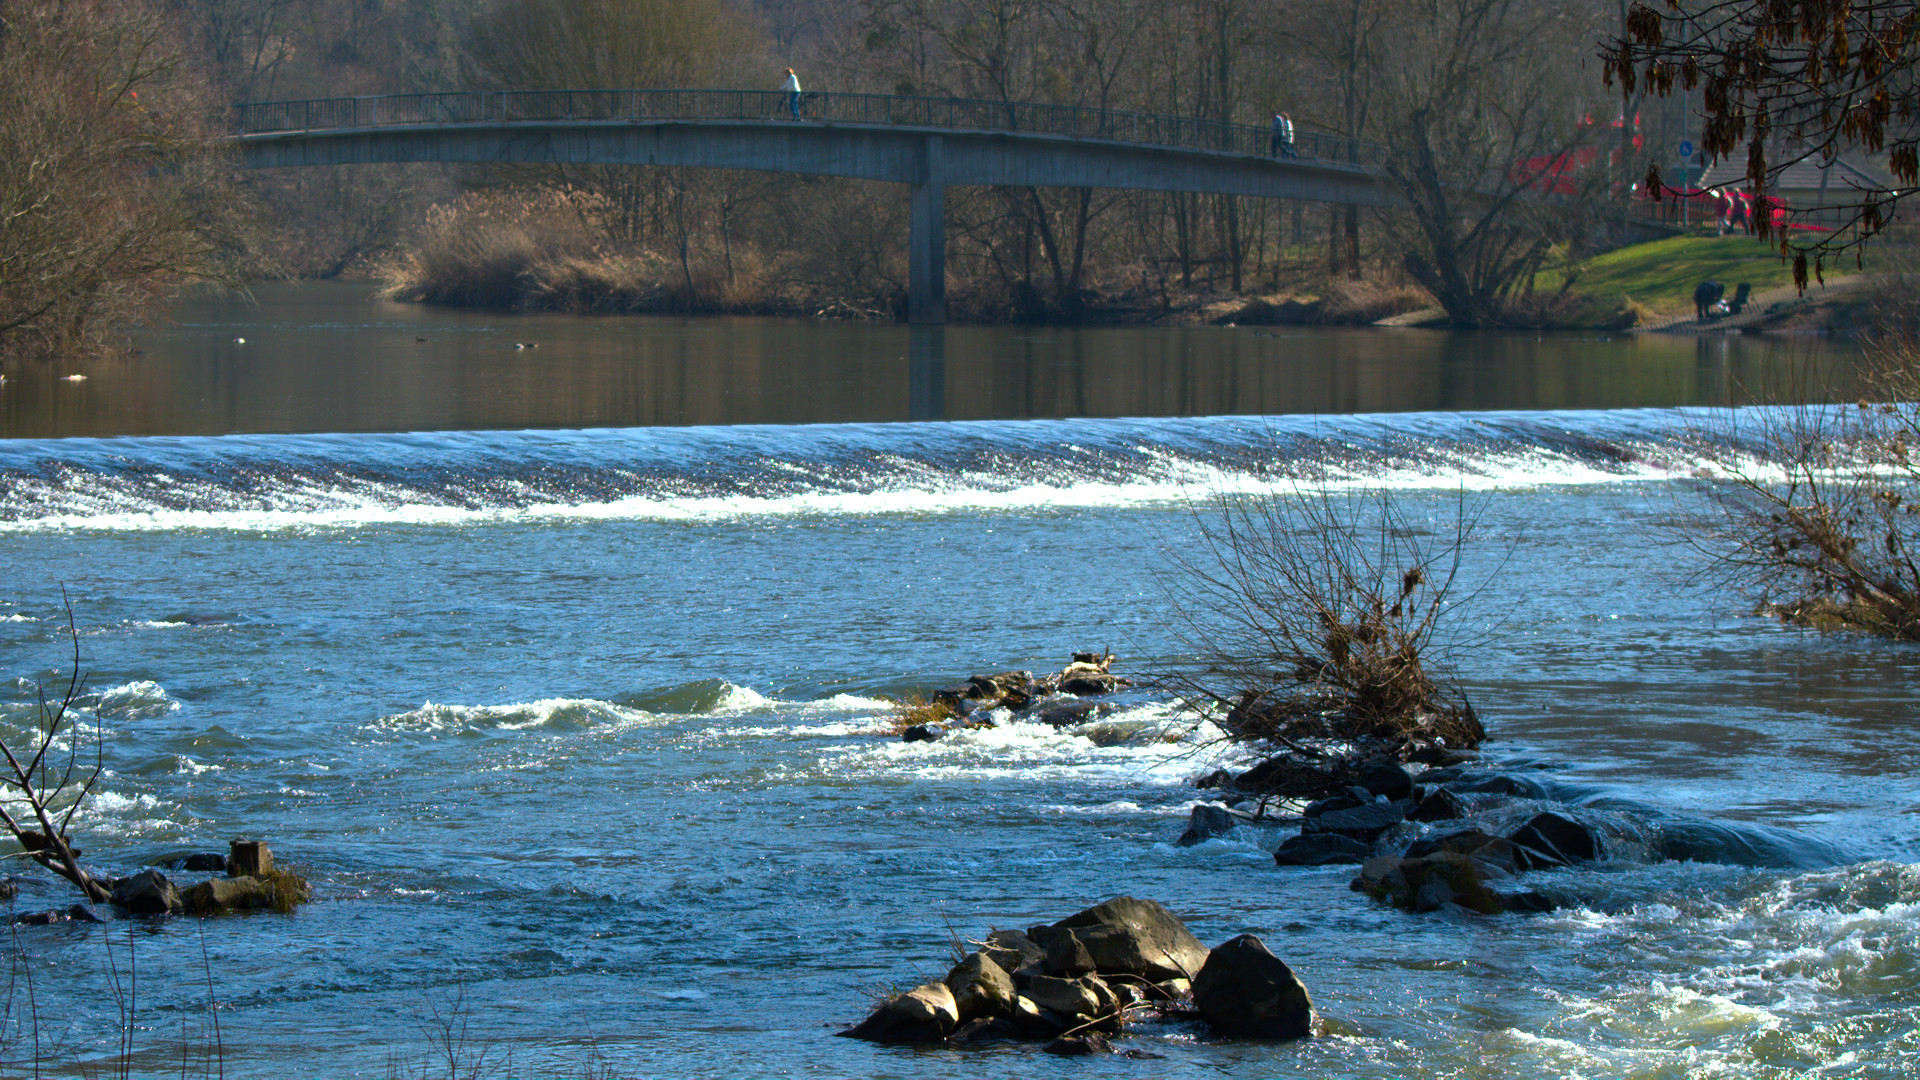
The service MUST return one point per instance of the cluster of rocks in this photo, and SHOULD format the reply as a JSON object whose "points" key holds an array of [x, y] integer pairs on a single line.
{"points": [[251, 883], [1075, 982], [1467, 868], [1026, 696]]}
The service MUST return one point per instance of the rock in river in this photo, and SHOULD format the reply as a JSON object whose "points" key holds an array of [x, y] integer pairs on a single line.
{"points": [[1243, 989]]}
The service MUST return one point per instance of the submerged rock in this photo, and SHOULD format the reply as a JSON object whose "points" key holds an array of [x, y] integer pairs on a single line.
{"points": [[1243, 989], [1428, 883], [1560, 839], [1320, 849], [200, 862], [1361, 822], [71, 913], [1080, 1045], [1070, 713]]}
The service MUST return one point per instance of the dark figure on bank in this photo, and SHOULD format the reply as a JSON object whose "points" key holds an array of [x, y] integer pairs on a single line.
{"points": [[1705, 296], [1282, 143], [1740, 294]]}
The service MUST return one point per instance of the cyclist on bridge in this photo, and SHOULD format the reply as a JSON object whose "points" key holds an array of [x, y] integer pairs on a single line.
{"points": [[792, 87]]}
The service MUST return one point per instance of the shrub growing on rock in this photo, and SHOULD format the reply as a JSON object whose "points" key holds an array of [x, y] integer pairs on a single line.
{"points": [[1317, 617]]}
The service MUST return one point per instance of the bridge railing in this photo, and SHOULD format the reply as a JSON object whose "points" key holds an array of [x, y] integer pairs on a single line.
{"points": [[522, 106]]}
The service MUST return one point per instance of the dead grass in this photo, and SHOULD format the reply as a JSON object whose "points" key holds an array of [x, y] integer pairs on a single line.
{"points": [[916, 709], [1357, 303]]}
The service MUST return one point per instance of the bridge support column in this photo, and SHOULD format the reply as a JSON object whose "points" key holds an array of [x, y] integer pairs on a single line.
{"points": [[927, 244]]}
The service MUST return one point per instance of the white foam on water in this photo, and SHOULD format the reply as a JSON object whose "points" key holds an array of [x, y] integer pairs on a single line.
{"points": [[184, 764], [1025, 749], [549, 713], [135, 700], [1167, 480]]}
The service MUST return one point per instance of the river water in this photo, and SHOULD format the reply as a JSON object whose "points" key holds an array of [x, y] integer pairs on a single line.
{"points": [[562, 672]]}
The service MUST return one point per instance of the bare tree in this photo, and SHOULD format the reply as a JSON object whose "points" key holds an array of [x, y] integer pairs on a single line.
{"points": [[48, 781], [111, 189], [1479, 155]]}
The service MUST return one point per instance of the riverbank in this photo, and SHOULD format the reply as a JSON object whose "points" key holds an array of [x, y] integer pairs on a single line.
{"points": [[1640, 287]]}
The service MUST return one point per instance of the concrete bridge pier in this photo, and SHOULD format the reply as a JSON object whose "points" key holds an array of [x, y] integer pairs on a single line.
{"points": [[927, 242]]}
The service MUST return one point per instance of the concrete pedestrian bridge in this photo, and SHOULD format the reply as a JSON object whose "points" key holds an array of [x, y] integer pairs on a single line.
{"points": [[925, 143]]}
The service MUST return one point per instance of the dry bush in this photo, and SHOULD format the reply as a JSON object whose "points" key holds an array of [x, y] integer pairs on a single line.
{"points": [[1318, 617], [1814, 511], [916, 709], [1369, 300], [489, 248]]}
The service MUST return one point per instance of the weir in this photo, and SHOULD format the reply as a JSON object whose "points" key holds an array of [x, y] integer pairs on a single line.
{"points": [[927, 144]]}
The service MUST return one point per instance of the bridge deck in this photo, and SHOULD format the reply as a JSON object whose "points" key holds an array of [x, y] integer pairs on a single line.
{"points": [[891, 110]]}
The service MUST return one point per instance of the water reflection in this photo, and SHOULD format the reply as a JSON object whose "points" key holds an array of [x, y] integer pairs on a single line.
{"points": [[926, 372], [326, 358]]}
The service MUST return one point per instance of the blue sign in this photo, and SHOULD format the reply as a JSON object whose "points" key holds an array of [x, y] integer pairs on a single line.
{"points": [[1686, 148]]}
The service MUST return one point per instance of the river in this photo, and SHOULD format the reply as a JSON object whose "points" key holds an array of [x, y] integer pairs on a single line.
{"points": [[561, 670]]}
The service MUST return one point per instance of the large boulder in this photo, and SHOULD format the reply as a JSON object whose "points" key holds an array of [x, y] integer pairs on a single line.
{"points": [[922, 1015], [1243, 989], [1207, 821], [217, 896], [980, 987], [146, 893], [1129, 936], [1320, 849]]}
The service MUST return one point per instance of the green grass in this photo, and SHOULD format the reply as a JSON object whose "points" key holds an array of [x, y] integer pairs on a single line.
{"points": [[1661, 275]]}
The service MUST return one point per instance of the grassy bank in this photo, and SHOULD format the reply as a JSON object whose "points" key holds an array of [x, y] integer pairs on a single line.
{"points": [[1657, 279]]}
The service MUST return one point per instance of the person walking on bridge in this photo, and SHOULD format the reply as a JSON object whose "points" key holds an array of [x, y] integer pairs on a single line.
{"points": [[792, 87], [1282, 136]]}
